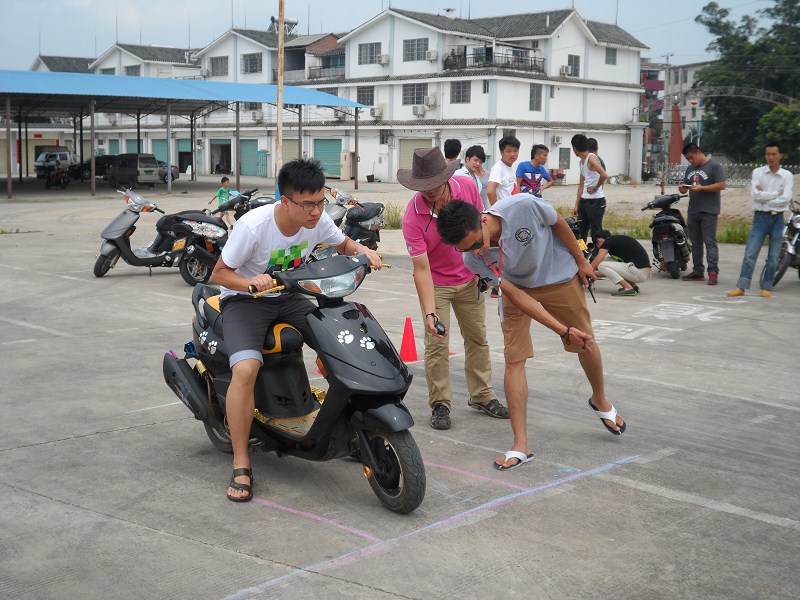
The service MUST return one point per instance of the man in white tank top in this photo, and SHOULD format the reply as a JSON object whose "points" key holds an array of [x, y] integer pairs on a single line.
{"points": [[590, 204]]}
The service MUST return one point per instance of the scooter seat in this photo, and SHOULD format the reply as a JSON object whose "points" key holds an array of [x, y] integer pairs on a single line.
{"points": [[281, 338], [370, 210]]}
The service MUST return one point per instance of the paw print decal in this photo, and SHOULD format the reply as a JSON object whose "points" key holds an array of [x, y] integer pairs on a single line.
{"points": [[366, 342], [212, 346], [203, 337], [345, 337]]}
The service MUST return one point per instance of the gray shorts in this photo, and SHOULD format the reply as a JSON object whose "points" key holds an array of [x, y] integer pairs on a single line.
{"points": [[247, 320]]}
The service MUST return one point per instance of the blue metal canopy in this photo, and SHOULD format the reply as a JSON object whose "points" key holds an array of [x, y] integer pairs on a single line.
{"points": [[36, 93]]}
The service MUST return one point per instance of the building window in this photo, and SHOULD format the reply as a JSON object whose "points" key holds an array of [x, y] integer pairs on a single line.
{"points": [[509, 133], [675, 75], [460, 92], [219, 66], [535, 44], [535, 102], [574, 64], [133, 71], [685, 76], [384, 136], [365, 94], [251, 63], [485, 86], [552, 91], [332, 91], [108, 71], [683, 122], [336, 60], [564, 155], [694, 112], [414, 93], [368, 53], [415, 49], [252, 105], [611, 56]]}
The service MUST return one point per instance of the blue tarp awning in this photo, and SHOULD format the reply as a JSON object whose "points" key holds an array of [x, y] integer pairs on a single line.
{"points": [[36, 93]]}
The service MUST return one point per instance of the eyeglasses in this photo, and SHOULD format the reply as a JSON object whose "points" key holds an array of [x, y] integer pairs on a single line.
{"points": [[309, 206], [475, 246]]}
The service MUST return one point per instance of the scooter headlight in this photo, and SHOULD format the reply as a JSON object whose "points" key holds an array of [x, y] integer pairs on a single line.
{"points": [[795, 221], [338, 286]]}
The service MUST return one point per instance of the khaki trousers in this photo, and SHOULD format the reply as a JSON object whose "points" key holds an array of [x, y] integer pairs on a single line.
{"points": [[470, 311]]}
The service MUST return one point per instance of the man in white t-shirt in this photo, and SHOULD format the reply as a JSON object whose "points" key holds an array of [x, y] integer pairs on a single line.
{"points": [[502, 177], [271, 238]]}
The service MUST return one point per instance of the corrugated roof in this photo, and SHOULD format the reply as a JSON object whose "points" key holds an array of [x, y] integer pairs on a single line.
{"points": [[525, 25], [165, 54], [446, 23], [265, 38], [67, 64], [302, 41], [606, 33], [35, 93]]}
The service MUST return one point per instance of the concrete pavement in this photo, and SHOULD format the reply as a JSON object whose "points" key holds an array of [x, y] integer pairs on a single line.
{"points": [[109, 487]]}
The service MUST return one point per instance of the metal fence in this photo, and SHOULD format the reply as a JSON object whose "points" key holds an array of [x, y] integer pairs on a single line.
{"points": [[737, 174]]}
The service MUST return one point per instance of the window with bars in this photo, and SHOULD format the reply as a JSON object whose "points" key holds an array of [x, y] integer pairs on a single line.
{"points": [[251, 63], [365, 94], [414, 93], [368, 53], [460, 92], [383, 136], [415, 49], [219, 66], [574, 63], [108, 71], [133, 70], [564, 155], [611, 56], [253, 106], [330, 90], [485, 86], [535, 102]]}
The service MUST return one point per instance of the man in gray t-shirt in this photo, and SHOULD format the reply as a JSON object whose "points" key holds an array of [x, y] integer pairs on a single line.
{"points": [[704, 180], [522, 245]]}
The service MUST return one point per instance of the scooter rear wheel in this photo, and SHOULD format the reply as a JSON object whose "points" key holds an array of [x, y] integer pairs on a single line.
{"points": [[674, 269], [103, 263], [220, 439], [784, 261], [399, 481], [193, 271]]}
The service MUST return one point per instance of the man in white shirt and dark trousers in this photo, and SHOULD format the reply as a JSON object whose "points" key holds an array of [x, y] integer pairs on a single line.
{"points": [[771, 188]]}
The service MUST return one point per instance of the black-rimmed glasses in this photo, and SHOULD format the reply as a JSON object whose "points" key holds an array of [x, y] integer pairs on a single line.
{"points": [[475, 246], [309, 206]]}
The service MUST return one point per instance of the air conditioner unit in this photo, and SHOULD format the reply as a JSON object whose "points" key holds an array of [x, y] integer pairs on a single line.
{"points": [[419, 110], [557, 140], [383, 59], [203, 72], [376, 112], [431, 55], [258, 116], [338, 114], [566, 71], [430, 101], [164, 119], [112, 120]]}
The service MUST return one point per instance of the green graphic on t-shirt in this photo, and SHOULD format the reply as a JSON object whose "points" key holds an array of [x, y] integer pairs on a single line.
{"points": [[288, 258]]}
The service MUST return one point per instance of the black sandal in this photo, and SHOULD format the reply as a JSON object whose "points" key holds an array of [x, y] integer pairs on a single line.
{"points": [[242, 487]]}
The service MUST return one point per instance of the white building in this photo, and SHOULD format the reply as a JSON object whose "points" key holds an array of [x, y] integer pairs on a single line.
{"points": [[542, 77]]}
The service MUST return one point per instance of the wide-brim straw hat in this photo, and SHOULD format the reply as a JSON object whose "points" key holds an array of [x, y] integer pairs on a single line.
{"points": [[428, 170]]}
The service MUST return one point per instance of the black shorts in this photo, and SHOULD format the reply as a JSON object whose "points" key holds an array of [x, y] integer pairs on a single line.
{"points": [[247, 320]]}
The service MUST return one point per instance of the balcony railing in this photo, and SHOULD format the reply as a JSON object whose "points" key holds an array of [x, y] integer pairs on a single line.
{"points": [[497, 60], [298, 75], [325, 72]]}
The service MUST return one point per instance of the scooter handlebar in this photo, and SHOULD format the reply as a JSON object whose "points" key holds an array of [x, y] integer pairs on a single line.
{"points": [[256, 294]]}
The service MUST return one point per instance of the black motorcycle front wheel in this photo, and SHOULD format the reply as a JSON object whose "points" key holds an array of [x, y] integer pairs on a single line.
{"points": [[399, 480], [103, 263], [193, 271], [784, 262]]}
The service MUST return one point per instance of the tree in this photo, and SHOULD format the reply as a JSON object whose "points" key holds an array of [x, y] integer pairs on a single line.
{"points": [[781, 124], [765, 58]]}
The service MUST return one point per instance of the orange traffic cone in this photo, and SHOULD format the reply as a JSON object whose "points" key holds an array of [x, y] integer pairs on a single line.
{"points": [[408, 349]]}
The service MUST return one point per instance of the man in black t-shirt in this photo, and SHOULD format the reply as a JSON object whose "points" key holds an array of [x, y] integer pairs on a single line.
{"points": [[628, 262]]}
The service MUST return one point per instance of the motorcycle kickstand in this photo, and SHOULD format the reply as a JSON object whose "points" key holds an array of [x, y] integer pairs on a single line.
{"points": [[367, 457], [150, 268]]}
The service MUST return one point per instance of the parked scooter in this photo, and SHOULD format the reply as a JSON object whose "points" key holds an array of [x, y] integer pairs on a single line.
{"points": [[790, 250], [242, 203], [361, 415], [189, 240], [671, 246], [362, 222]]}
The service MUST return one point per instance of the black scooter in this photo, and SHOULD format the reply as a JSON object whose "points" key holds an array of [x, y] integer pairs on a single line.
{"points": [[361, 414], [362, 222], [189, 240], [671, 246]]}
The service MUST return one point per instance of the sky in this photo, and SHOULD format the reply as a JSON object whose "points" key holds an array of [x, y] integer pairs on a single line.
{"points": [[90, 27]]}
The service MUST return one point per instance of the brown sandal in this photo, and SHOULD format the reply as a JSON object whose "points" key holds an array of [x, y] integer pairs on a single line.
{"points": [[242, 487]]}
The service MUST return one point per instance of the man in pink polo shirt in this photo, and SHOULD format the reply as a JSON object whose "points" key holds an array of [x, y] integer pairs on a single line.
{"points": [[442, 282]]}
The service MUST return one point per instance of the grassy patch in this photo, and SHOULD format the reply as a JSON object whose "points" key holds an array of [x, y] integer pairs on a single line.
{"points": [[393, 213], [7, 231]]}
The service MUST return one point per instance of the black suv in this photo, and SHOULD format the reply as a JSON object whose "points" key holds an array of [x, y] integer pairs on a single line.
{"points": [[83, 171]]}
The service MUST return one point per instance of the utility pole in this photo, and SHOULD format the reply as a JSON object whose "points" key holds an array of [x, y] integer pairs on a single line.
{"points": [[279, 107], [665, 114]]}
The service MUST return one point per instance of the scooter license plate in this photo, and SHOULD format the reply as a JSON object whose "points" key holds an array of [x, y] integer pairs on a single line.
{"points": [[179, 244]]}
